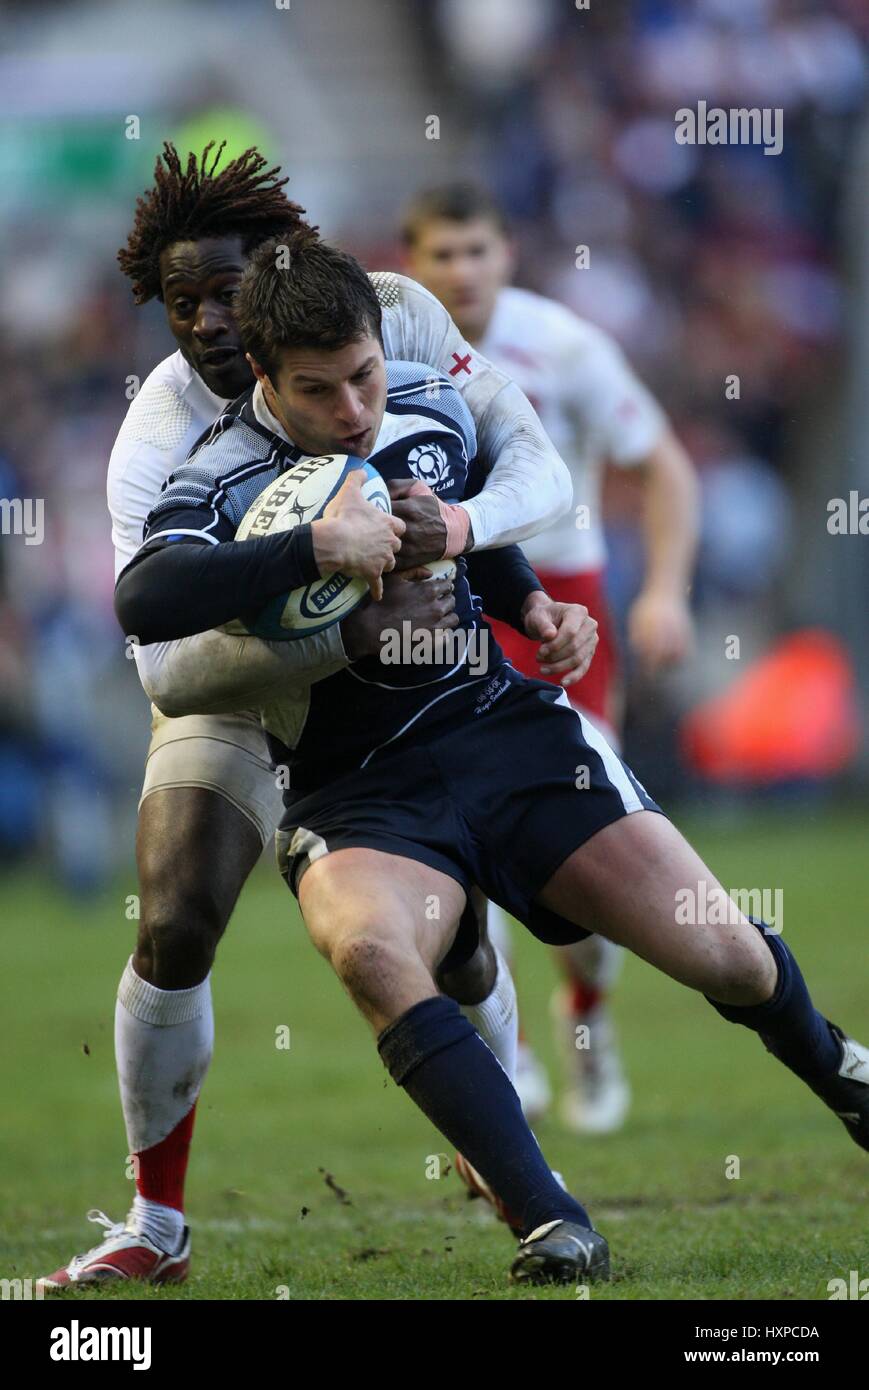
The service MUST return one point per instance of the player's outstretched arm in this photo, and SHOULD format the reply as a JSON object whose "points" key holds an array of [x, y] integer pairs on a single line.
{"points": [[218, 673], [527, 486], [181, 584], [185, 581], [215, 673]]}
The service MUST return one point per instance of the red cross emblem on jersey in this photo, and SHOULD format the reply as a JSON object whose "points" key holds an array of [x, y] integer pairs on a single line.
{"points": [[461, 364]]}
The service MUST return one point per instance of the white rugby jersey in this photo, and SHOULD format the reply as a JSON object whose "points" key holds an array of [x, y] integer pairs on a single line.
{"points": [[592, 406], [526, 490]]}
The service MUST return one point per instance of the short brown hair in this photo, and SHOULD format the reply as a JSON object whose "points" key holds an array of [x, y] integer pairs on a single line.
{"points": [[299, 291], [451, 202]]}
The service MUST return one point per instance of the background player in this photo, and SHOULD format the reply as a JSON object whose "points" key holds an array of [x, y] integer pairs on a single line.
{"points": [[210, 801], [597, 412]]}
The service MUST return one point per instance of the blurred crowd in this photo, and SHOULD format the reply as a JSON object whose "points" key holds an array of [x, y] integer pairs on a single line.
{"points": [[703, 262]]}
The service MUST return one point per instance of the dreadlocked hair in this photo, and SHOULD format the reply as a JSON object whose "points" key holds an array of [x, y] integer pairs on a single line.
{"points": [[245, 199]]}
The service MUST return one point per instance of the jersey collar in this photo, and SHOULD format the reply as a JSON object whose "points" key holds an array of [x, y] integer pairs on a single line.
{"points": [[264, 415]]}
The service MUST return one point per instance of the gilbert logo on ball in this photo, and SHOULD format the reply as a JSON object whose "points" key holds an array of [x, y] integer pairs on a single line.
{"points": [[298, 496]]}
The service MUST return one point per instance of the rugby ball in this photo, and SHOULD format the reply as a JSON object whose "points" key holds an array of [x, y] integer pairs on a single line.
{"points": [[441, 569], [298, 496]]}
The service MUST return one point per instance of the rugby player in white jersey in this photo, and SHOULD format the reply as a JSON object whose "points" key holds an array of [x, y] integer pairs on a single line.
{"points": [[596, 412], [210, 800]]}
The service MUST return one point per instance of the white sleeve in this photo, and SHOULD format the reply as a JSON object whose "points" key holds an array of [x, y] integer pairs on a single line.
{"points": [[622, 415], [215, 673], [528, 485], [133, 485]]}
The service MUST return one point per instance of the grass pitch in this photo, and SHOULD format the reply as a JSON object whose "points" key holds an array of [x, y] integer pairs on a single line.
{"points": [[308, 1176]]}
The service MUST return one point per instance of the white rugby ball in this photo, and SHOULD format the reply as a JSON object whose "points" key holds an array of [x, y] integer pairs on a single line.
{"points": [[297, 496], [441, 569]]}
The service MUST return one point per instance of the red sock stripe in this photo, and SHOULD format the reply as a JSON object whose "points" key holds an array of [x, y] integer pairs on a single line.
{"points": [[161, 1170], [584, 996]]}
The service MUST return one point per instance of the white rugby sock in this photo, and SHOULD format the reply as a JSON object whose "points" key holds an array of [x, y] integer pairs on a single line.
{"points": [[161, 1224], [163, 1045], [496, 1019]]}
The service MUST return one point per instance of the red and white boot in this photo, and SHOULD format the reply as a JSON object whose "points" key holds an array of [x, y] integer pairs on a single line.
{"points": [[122, 1254]]}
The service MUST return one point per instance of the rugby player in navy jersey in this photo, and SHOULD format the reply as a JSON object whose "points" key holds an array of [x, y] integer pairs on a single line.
{"points": [[445, 776]]}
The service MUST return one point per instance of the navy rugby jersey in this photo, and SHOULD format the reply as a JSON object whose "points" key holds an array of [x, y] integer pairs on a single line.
{"points": [[339, 724]]}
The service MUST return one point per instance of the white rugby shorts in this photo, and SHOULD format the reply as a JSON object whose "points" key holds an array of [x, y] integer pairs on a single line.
{"points": [[224, 753]]}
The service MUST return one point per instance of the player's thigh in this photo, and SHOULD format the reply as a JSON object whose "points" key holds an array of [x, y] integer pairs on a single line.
{"points": [[629, 882], [356, 892], [194, 851]]}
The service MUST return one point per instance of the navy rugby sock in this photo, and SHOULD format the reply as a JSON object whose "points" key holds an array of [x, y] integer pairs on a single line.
{"points": [[448, 1071], [789, 1025]]}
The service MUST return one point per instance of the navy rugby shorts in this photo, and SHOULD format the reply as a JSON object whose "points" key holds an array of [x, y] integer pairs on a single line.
{"points": [[501, 802]]}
